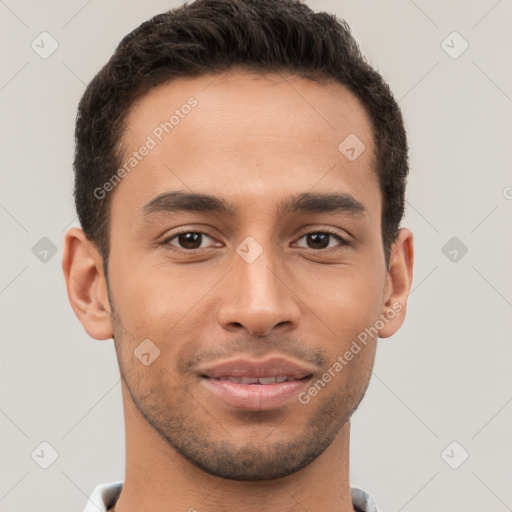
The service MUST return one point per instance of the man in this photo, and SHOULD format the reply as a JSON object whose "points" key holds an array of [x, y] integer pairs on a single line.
{"points": [[240, 177]]}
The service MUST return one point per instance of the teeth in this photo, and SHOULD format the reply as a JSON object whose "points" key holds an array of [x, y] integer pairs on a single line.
{"points": [[267, 380], [248, 380], [257, 380]]}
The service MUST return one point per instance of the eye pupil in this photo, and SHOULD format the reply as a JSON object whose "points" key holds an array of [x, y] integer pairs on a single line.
{"points": [[190, 240], [319, 240]]}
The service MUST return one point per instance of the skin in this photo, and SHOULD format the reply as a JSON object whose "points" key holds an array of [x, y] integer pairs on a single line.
{"points": [[254, 140]]}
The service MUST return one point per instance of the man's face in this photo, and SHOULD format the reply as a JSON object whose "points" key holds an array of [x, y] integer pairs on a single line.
{"points": [[274, 287]]}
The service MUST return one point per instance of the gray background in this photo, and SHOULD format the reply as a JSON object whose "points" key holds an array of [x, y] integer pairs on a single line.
{"points": [[444, 377]]}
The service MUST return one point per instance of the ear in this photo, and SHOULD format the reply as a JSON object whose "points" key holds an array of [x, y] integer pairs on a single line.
{"points": [[82, 265], [398, 283]]}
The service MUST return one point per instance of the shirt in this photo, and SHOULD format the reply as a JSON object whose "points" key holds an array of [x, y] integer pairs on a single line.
{"points": [[106, 495]]}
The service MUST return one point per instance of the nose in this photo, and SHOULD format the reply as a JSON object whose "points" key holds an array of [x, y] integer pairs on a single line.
{"points": [[258, 297]]}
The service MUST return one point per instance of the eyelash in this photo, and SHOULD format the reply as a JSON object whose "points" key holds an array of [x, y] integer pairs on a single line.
{"points": [[343, 242]]}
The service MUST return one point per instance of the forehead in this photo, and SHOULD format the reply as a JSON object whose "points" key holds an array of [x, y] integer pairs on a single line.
{"points": [[244, 100], [244, 134]]}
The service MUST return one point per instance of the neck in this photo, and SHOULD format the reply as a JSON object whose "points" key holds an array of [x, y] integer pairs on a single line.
{"points": [[159, 479]]}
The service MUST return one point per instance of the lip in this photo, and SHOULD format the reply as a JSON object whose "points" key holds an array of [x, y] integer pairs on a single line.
{"points": [[272, 367], [255, 397]]}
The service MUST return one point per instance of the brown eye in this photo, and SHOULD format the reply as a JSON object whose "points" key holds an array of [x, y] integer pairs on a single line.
{"points": [[322, 240], [318, 240], [189, 240]]}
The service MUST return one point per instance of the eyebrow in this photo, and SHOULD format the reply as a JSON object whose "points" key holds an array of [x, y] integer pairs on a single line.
{"points": [[179, 201]]}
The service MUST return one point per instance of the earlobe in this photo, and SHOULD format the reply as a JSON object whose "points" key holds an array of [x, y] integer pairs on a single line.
{"points": [[398, 283], [86, 286]]}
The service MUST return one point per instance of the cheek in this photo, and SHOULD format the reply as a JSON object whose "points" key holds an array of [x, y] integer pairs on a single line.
{"points": [[159, 302], [354, 308], [347, 300], [349, 308]]}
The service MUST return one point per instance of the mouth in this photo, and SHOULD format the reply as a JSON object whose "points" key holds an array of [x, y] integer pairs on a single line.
{"points": [[257, 380], [256, 385]]}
